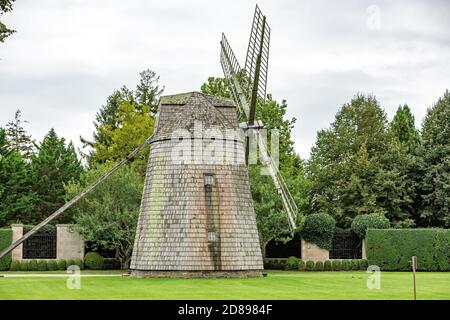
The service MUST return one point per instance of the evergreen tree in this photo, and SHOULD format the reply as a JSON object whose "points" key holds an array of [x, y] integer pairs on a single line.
{"points": [[353, 166], [18, 138], [54, 166], [435, 183], [148, 91], [404, 129], [16, 197]]}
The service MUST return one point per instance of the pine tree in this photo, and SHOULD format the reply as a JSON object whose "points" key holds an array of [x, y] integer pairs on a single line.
{"points": [[16, 196], [54, 166], [435, 183], [148, 91], [18, 138]]}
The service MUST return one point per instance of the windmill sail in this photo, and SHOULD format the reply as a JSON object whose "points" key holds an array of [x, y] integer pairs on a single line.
{"points": [[249, 84]]}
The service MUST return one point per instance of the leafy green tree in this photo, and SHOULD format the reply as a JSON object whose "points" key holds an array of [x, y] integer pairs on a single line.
{"points": [[404, 129], [108, 215], [435, 183], [18, 138], [16, 196], [52, 167], [144, 101], [5, 6], [216, 87], [354, 166]]}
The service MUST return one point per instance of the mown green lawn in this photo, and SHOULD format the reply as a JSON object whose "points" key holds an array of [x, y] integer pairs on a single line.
{"points": [[277, 285]]}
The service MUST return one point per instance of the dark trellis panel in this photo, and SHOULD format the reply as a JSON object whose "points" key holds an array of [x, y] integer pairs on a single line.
{"points": [[346, 245], [41, 245]]}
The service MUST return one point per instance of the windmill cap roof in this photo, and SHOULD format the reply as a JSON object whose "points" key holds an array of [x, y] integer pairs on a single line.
{"points": [[182, 99]]}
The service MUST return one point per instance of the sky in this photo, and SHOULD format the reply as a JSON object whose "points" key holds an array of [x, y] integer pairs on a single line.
{"points": [[68, 56]]}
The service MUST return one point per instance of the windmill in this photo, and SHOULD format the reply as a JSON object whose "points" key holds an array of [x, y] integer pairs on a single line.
{"points": [[247, 85]]}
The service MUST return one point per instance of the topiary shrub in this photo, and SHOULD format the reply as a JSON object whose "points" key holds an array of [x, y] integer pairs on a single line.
{"points": [[363, 222], [354, 264], [5, 240], [23, 265], [346, 265], [42, 265], [363, 264], [327, 265], [52, 265], [336, 265], [62, 265], [318, 266], [93, 261], [33, 265], [309, 265], [15, 266], [291, 263], [319, 229], [301, 265]]}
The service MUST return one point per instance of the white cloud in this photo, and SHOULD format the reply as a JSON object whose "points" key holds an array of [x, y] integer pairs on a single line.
{"points": [[68, 56]]}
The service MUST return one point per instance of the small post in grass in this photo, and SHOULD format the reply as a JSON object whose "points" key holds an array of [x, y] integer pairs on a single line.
{"points": [[414, 267]]}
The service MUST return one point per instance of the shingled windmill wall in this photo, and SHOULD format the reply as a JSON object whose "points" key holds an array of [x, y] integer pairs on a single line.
{"points": [[188, 227]]}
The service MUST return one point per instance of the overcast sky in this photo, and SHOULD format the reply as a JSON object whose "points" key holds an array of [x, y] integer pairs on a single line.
{"points": [[68, 56]]}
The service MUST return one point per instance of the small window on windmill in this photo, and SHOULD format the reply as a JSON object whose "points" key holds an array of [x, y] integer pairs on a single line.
{"points": [[209, 179], [211, 236]]}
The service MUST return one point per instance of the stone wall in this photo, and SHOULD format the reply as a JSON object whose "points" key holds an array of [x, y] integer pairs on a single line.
{"points": [[69, 245], [311, 251]]}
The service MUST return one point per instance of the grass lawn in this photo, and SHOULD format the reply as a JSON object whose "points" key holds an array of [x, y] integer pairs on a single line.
{"points": [[277, 285]]}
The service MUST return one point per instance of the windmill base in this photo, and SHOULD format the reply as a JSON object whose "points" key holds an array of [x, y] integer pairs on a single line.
{"points": [[197, 274]]}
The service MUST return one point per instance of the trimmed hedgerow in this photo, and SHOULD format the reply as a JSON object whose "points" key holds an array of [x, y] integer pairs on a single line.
{"points": [[319, 229], [15, 266], [363, 222], [32, 265], [346, 265], [291, 263], [5, 240], [318, 266], [23, 265], [52, 265], [392, 249], [93, 261], [363, 264], [310, 265], [336, 265], [327, 265], [62, 265], [42, 265], [301, 265], [354, 264]]}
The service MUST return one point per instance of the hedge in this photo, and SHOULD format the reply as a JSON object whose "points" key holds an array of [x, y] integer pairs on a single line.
{"points": [[5, 240], [291, 263], [392, 249], [93, 261], [363, 222], [319, 229]]}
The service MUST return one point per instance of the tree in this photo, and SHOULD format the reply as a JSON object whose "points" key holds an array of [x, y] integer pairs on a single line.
{"points": [[108, 215], [216, 87], [435, 154], [108, 119], [18, 138], [135, 127], [355, 166], [5, 6], [16, 196], [404, 129], [52, 167]]}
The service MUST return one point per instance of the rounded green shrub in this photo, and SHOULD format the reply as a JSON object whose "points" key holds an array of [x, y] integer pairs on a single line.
{"points": [[327, 265], [318, 266], [42, 265], [70, 262], [33, 265], [363, 222], [301, 265], [93, 261], [62, 265], [319, 229], [309, 265], [23, 266], [291, 263], [15, 266], [354, 264], [52, 265], [346, 265], [336, 265], [363, 264]]}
